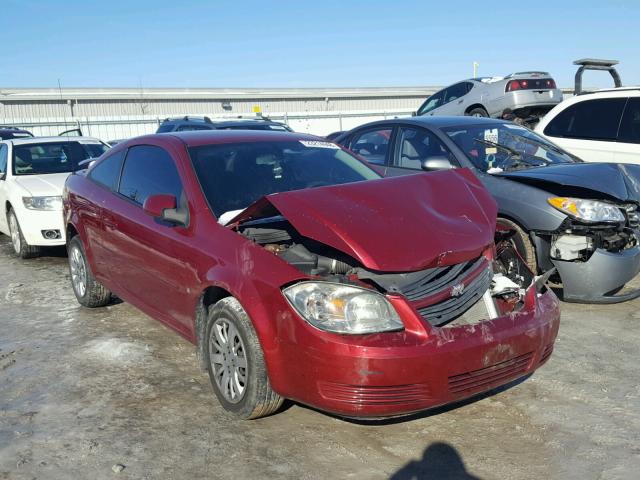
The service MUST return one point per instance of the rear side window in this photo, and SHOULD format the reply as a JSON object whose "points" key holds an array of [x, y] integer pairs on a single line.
{"points": [[630, 125], [372, 145], [3, 158], [107, 171], [149, 170], [188, 128], [164, 128], [590, 120], [456, 91]]}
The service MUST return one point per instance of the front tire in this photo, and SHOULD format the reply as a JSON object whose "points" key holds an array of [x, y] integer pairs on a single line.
{"points": [[522, 243], [477, 112], [89, 292], [20, 246], [235, 362]]}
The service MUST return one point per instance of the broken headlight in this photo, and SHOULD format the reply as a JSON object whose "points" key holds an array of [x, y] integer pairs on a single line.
{"points": [[343, 308], [587, 210]]}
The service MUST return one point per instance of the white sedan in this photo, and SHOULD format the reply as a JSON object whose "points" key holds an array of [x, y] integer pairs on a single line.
{"points": [[32, 176]]}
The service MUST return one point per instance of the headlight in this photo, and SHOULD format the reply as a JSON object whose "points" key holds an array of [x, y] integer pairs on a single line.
{"points": [[343, 308], [42, 203], [587, 210]]}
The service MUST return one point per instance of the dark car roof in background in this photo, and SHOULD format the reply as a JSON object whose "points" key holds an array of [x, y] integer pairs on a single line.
{"points": [[195, 138]]}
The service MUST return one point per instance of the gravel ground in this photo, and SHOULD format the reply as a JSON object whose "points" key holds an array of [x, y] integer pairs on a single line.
{"points": [[111, 393]]}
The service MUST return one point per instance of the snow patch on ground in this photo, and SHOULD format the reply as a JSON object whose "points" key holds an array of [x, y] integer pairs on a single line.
{"points": [[117, 351]]}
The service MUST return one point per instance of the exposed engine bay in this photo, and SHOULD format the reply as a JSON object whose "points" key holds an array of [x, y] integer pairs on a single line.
{"points": [[461, 294], [576, 242]]}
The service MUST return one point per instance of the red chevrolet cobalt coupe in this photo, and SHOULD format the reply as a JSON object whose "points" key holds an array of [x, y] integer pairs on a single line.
{"points": [[299, 273]]}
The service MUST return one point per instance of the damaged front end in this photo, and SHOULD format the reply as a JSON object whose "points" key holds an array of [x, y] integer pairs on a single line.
{"points": [[594, 260], [482, 288], [397, 303]]}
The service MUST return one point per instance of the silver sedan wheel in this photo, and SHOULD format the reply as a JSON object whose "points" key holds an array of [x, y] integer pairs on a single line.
{"points": [[78, 271], [228, 360], [15, 232]]}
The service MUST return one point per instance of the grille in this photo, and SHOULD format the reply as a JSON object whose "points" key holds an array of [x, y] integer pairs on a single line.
{"points": [[418, 285], [448, 310], [546, 353], [373, 395], [486, 378]]}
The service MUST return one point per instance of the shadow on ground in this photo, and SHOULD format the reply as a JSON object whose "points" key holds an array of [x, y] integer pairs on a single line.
{"points": [[440, 461]]}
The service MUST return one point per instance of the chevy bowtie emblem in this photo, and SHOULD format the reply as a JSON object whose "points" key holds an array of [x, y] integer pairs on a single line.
{"points": [[457, 290]]}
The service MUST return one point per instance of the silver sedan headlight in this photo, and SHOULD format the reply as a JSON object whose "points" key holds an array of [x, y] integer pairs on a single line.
{"points": [[43, 203], [343, 308], [587, 210]]}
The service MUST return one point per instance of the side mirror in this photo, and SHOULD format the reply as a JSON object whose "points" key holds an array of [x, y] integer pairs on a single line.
{"points": [[436, 163], [165, 207], [414, 114]]}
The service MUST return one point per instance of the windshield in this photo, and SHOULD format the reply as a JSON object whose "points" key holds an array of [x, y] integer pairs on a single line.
{"points": [[53, 157], [497, 147], [235, 175]]}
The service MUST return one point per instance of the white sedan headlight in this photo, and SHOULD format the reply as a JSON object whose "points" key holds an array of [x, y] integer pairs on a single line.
{"points": [[587, 210], [43, 203], [343, 308]]}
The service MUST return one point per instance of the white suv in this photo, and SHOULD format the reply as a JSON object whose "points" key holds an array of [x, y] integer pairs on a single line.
{"points": [[602, 126], [32, 176]]}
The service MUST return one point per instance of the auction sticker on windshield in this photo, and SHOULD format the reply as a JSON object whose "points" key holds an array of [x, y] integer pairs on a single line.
{"points": [[319, 144]]}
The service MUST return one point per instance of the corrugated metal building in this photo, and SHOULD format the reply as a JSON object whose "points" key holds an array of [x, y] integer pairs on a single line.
{"points": [[114, 112]]}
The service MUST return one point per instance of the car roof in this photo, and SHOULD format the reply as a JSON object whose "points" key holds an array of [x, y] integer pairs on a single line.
{"points": [[611, 90], [28, 140], [208, 137], [439, 122]]}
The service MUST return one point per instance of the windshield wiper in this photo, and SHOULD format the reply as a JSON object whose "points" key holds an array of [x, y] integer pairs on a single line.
{"points": [[515, 156], [542, 144]]}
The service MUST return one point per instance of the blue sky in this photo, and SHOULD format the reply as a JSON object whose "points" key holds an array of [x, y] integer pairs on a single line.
{"points": [[250, 43]]}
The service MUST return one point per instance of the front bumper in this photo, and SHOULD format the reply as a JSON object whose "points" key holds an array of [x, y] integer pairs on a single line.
{"points": [[594, 280], [33, 222], [420, 368]]}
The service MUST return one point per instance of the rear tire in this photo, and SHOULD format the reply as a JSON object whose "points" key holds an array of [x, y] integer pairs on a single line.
{"points": [[522, 243], [89, 292], [477, 112], [235, 362], [20, 246]]}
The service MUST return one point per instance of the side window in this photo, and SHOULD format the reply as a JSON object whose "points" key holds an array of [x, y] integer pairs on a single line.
{"points": [[415, 145], [188, 128], [591, 120], [4, 150], [630, 125], [147, 171], [433, 102], [107, 171], [455, 91], [372, 145]]}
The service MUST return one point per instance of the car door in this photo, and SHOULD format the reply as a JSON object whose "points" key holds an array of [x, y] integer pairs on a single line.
{"points": [[454, 100], [415, 145], [589, 128], [149, 257], [105, 174], [373, 144], [628, 144], [4, 164]]}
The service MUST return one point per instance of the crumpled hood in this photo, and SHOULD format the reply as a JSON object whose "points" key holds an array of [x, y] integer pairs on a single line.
{"points": [[398, 224], [616, 180], [43, 185]]}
